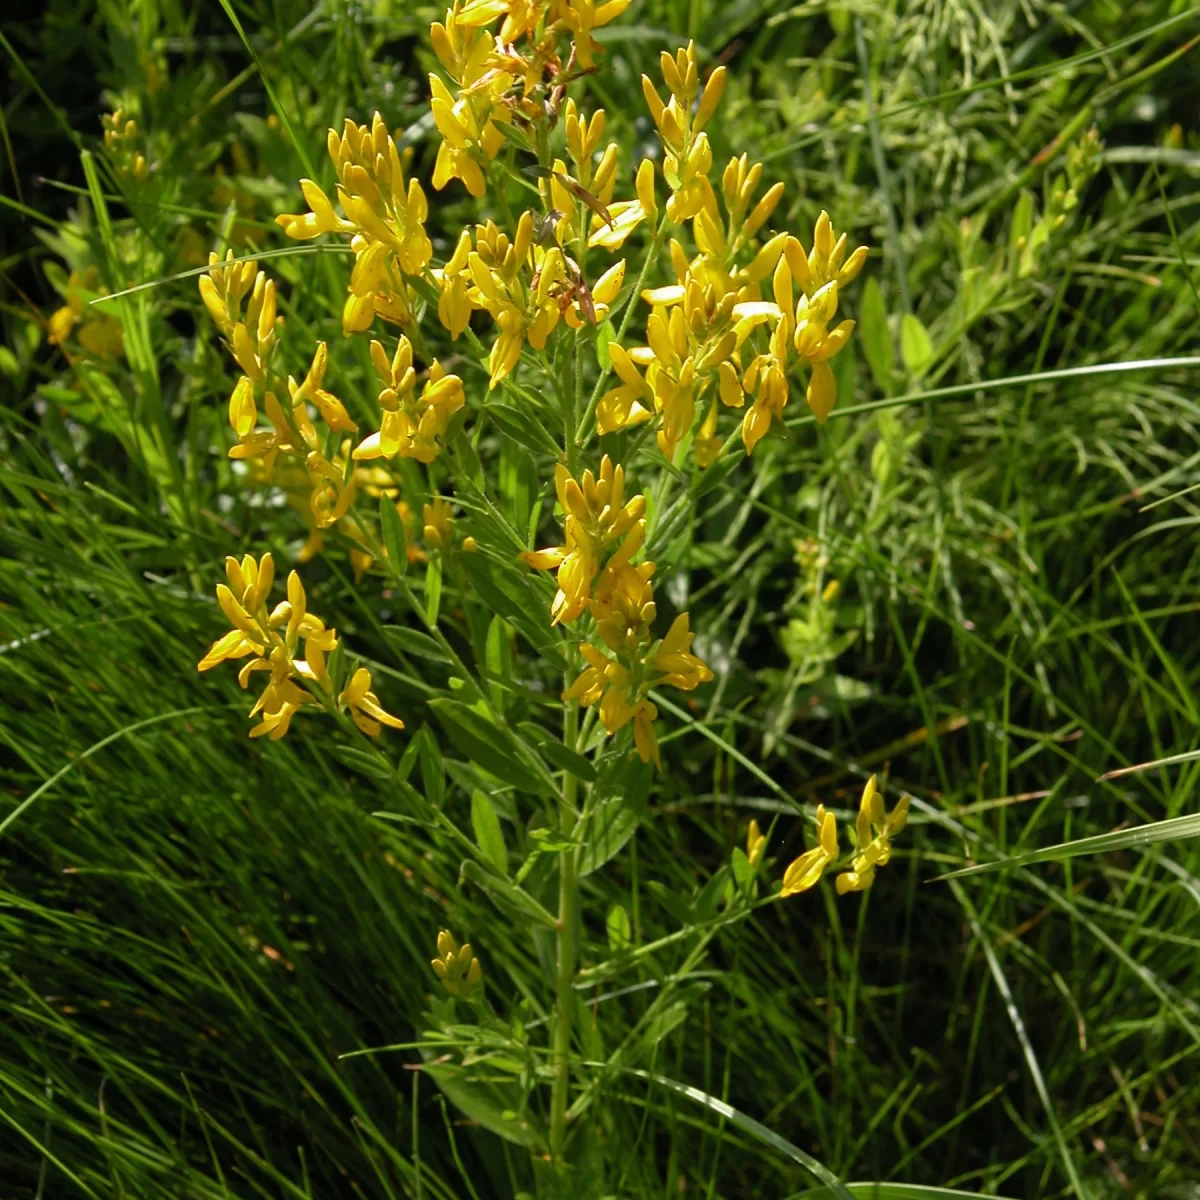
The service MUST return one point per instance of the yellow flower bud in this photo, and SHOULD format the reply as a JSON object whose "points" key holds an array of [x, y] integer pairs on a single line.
{"points": [[714, 89]]}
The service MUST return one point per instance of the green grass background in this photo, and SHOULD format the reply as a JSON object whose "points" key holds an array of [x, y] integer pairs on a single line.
{"points": [[195, 928]]}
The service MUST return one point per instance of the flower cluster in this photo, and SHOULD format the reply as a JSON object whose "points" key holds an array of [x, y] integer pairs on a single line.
{"points": [[251, 338], [412, 425], [600, 530], [385, 217], [274, 641], [874, 829], [701, 330], [496, 84], [457, 967], [122, 142], [602, 535], [744, 305]]}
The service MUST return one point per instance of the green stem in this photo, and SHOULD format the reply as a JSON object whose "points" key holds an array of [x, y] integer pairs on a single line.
{"points": [[568, 923]]}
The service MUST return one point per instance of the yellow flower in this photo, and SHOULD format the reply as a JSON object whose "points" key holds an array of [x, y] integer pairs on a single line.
{"points": [[626, 215], [601, 295], [411, 425], [257, 633], [454, 282], [99, 334], [631, 401], [806, 870], [619, 677], [766, 376], [681, 122], [672, 662], [601, 529], [468, 121], [457, 967], [333, 411], [520, 285], [386, 215], [827, 262], [121, 141], [439, 524], [874, 828], [755, 841], [583, 16], [250, 336], [333, 488], [707, 445], [364, 706]]}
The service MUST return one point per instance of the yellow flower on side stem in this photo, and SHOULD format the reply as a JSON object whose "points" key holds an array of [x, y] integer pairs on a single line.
{"points": [[454, 283], [256, 632], [626, 215], [755, 842], [457, 967], [468, 121], [681, 122], [806, 871], [99, 334], [364, 707], [874, 828], [582, 17], [333, 411]]}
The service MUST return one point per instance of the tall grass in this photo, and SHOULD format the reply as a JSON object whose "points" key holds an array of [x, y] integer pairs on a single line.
{"points": [[199, 935]]}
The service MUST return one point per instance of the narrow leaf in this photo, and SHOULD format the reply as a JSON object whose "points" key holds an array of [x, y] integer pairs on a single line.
{"points": [[488, 834], [1173, 830], [395, 540]]}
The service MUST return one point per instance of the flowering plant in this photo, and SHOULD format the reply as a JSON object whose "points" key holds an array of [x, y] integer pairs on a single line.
{"points": [[734, 317]]}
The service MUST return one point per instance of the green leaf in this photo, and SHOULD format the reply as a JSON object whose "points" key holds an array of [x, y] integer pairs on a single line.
{"points": [[493, 748], [364, 762], [492, 1105], [514, 135], [395, 540], [888, 1191], [605, 336], [466, 459], [523, 428], [514, 901], [876, 336], [619, 929], [743, 868], [558, 754], [1174, 830], [433, 770], [433, 589], [715, 475], [517, 599], [488, 834], [915, 346], [1022, 223], [621, 801], [413, 641], [705, 905]]}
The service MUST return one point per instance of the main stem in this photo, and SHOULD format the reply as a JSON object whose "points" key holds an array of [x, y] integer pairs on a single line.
{"points": [[568, 925]]}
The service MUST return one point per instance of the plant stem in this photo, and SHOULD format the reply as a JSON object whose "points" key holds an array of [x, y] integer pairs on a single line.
{"points": [[568, 922]]}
